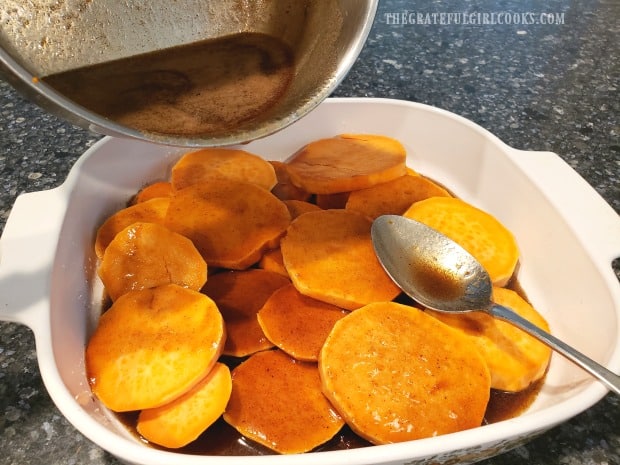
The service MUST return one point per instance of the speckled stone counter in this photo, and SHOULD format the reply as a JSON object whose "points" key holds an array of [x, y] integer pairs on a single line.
{"points": [[536, 86]]}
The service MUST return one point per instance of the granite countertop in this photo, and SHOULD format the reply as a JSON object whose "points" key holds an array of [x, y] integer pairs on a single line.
{"points": [[536, 86]]}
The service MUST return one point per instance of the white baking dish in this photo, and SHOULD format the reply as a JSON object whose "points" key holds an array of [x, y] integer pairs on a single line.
{"points": [[567, 233]]}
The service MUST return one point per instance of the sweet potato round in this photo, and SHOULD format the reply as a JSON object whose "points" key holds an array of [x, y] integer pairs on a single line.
{"points": [[146, 255], [394, 197], [152, 346], [151, 211], [154, 190], [346, 163], [329, 256], [477, 231], [230, 222], [201, 166], [396, 374], [283, 189], [515, 359], [296, 323], [181, 421], [277, 401]]}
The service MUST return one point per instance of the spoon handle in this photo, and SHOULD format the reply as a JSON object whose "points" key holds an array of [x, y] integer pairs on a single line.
{"points": [[607, 377]]}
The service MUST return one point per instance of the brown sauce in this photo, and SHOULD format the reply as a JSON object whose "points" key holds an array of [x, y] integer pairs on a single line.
{"points": [[434, 280], [222, 439], [204, 88], [505, 405]]}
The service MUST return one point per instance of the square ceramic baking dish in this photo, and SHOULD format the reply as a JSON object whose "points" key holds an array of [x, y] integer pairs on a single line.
{"points": [[567, 233]]}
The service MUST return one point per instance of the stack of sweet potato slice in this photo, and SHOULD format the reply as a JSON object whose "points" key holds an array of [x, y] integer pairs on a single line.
{"points": [[271, 263]]}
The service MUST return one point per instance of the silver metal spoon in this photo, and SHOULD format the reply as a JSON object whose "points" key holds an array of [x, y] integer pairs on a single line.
{"points": [[441, 275]]}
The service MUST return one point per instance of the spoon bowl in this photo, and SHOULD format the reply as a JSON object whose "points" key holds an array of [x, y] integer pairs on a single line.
{"points": [[441, 275]]}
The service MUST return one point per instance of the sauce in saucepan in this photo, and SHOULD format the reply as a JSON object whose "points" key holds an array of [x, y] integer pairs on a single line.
{"points": [[204, 88]]}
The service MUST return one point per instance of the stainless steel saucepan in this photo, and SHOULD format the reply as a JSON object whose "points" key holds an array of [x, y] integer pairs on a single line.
{"points": [[40, 38]]}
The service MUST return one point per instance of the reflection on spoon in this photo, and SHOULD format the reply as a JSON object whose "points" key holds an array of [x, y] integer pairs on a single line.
{"points": [[441, 275]]}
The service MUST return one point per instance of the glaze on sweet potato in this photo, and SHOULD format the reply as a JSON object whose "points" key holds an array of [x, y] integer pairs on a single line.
{"points": [[230, 222], [150, 211], [396, 374], [240, 295], [327, 201], [277, 402], [146, 255], [298, 324]]}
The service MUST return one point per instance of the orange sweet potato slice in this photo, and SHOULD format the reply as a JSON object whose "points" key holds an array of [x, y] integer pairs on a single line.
{"points": [[284, 189], [478, 232], [146, 255], [298, 324], [240, 295], [514, 358], [327, 201], [394, 197], [152, 346], [346, 163], [230, 222], [298, 207], [277, 402], [203, 165], [329, 256], [151, 211], [181, 421], [396, 374], [153, 191], [272, 261]]}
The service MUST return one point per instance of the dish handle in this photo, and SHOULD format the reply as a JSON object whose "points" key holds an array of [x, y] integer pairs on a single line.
{"points": [[586, 211], [27, 249]]}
